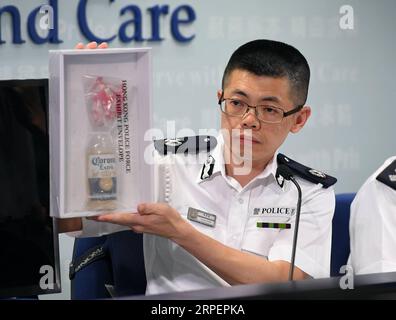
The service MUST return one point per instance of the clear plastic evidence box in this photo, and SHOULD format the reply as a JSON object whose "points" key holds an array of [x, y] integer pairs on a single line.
{"points": [[100, 110]]}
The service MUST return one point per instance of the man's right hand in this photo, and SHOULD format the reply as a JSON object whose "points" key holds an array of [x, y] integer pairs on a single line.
{"points": [[92, 45]]}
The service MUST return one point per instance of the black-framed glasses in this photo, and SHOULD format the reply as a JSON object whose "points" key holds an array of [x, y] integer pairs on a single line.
{"points": [[265, 113]]}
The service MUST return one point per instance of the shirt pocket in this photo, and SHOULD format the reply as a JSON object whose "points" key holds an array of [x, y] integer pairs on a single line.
{"points": [[261, 232]]}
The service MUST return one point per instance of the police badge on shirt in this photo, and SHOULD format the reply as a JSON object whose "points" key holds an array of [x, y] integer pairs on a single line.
{"points": [[275, 212], [273, 217]]}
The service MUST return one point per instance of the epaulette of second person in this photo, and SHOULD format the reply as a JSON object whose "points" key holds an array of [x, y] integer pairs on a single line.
{"points": [[307, 173], [186, 145], [388, 176]]}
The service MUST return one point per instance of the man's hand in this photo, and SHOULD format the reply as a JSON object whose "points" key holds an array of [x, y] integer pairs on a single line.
{"points": [[92, 45], [154, 218]]}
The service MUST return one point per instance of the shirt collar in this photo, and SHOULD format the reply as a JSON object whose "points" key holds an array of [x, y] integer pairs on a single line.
{"points": [[270, 169], [219, 163]]}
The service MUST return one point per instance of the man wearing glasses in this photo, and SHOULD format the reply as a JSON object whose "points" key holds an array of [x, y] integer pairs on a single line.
{"points": [[229, 221]]}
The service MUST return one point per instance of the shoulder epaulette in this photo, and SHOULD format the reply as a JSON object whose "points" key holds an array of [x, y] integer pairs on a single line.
{"points": [[186, 145], [388, 176], [307, 173]]}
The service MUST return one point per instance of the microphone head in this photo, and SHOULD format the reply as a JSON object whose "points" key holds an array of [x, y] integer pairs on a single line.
{"points": [[283, 173]]}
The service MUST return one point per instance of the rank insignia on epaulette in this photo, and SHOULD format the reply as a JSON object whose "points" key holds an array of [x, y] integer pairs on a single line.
{"points": [[317, 173], [173, 142]]}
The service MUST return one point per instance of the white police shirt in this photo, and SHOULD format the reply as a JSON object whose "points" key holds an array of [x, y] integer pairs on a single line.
{"points": [[373, 224], [183, 181], [186, 185]]}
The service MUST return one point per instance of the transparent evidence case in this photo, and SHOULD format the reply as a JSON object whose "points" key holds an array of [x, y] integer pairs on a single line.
{"points": [[100, 110]]}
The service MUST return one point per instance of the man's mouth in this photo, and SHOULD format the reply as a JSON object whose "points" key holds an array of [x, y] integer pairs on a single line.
{"points": [[248, 139]]}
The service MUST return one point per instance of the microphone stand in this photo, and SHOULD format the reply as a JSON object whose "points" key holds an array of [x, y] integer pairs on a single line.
{"points": [[296, 224]]}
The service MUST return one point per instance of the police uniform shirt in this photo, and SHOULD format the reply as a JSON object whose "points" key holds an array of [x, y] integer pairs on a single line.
{"points": [[373, 223], [185, 184]]}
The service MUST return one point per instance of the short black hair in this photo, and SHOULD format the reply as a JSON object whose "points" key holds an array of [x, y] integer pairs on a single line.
{"points": [[273, 59]]}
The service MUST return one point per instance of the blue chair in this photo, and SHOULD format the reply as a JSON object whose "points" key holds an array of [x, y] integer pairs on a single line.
{"points": [[115, 259], [340, 247]]}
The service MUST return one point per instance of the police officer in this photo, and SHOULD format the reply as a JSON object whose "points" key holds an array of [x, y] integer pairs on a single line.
{"points": [[227, 220], [373, 222]]}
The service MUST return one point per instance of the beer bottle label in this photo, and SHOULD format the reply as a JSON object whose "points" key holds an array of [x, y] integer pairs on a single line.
{"points": [[102, 177]]}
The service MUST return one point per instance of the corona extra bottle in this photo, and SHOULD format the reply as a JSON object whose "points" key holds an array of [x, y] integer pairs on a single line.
{"points": [[102, 172]]}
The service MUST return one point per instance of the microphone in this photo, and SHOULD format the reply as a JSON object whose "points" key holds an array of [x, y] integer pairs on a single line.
{"points": [[286, 173]]}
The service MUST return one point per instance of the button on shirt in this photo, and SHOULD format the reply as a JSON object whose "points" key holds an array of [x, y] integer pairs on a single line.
{"points": [[238, 210], [372, 226]]}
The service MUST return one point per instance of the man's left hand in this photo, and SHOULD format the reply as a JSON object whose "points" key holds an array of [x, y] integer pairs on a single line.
{"points": [[154, 218]]}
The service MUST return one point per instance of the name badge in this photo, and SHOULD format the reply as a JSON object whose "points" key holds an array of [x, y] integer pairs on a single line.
{"points": [[201, 217]]}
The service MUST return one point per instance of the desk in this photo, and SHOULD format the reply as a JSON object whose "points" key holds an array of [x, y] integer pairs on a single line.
{"points": [[371, 286]]}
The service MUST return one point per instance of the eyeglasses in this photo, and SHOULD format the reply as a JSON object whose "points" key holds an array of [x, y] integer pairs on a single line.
{"points": [[265, 113]]}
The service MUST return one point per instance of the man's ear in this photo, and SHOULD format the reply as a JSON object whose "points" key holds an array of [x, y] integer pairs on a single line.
{"points": [[219, 94], [301, 119]]}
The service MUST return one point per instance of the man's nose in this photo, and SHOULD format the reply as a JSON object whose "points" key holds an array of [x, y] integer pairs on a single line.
{"points": [[250, 120]]}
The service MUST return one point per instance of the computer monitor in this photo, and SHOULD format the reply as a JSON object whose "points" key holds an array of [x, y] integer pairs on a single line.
{"points": [[29, 251]]}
